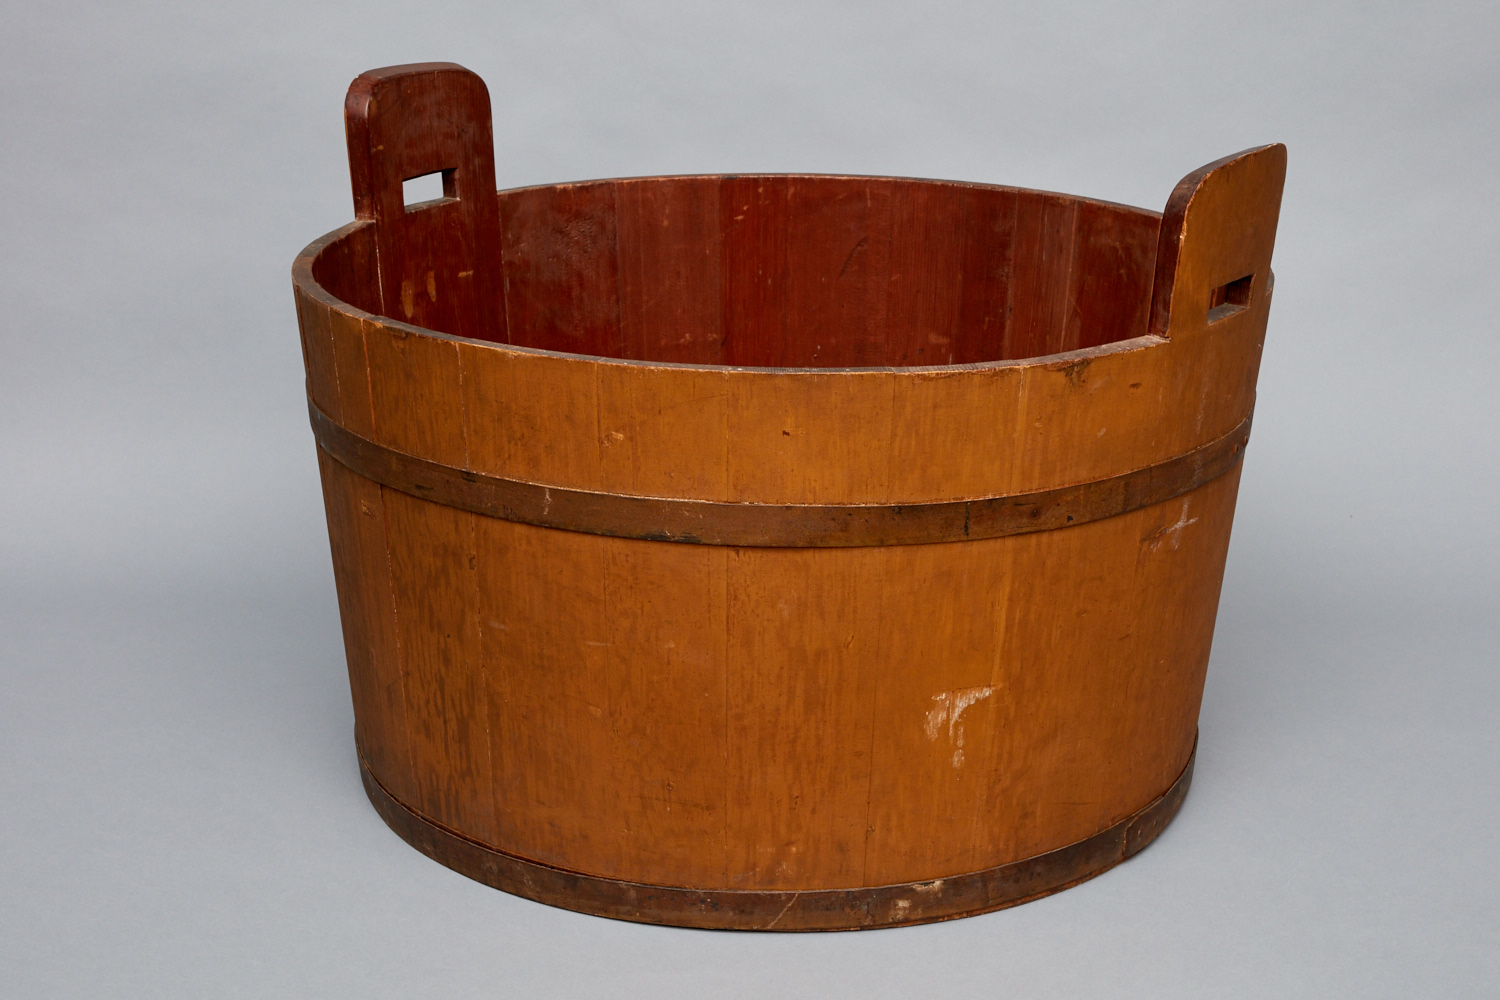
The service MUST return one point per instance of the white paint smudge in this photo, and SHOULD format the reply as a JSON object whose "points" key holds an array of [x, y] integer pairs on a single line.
{"points": [[947, 710], [1172, 531]]}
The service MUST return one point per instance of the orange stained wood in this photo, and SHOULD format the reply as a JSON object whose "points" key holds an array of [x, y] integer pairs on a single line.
{"points": [[775, 719]]}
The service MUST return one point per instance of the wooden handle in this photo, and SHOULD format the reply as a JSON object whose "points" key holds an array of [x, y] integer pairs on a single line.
{"points": [[439, 264], [1213, 257]]}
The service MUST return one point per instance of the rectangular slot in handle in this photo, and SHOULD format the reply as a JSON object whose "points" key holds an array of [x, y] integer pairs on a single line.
{"points": [[1229, 298], [435, 186]]}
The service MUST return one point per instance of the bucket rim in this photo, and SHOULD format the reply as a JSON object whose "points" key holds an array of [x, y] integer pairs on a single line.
{"points": [[304, 280]]}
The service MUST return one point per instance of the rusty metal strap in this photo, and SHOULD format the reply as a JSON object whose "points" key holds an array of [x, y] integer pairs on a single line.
{"points": [[710, 522]]}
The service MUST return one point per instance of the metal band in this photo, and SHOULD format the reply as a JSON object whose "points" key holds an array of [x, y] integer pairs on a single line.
{"points": [[709, 522], [807, 910]]}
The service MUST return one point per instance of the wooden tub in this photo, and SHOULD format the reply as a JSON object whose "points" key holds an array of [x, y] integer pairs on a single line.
{"points": [[782, 552]]}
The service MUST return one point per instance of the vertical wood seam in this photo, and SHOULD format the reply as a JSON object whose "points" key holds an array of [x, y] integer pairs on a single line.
{"points": [[505, 274], [364, 351], [1001, 617], [463, 404], [375, 257], [618, 342], [483, 677], [298, 298], [785, 275], [866, 830], [1007, 330], [333, 357], [607, 676], [622, 341], [390, 577], [614, 835], [890, 437], [1069, 280], [956, 318], [723, 560]]}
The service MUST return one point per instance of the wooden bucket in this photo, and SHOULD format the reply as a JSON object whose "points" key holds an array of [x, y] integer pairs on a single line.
{"points": [[782, 552]]}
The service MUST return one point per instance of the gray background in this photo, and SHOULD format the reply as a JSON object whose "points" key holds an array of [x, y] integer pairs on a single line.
{"points": [[182, 814]]}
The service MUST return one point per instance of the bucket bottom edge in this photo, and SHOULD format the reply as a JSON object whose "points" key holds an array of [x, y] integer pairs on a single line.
{"points": [[863, 908]]}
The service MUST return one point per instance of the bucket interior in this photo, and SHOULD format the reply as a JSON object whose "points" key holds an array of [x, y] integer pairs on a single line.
{"points": [[809, 271]]}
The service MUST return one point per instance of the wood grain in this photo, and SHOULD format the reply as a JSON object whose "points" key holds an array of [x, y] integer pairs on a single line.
{"points": [[669, 246], [560, 247]]}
